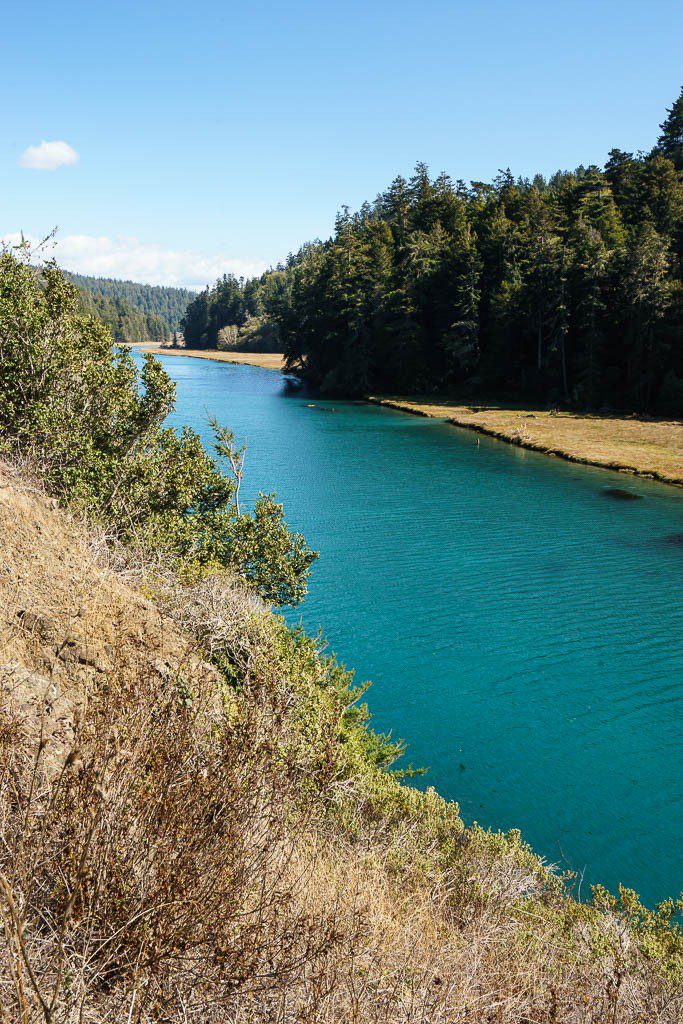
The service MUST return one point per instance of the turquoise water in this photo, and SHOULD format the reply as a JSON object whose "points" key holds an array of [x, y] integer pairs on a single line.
{"points": [[523, 630]]}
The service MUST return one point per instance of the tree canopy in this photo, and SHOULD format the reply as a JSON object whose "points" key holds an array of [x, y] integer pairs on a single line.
{"points": [[132, 311], [562, 290], [670, 142], [79, 410]]}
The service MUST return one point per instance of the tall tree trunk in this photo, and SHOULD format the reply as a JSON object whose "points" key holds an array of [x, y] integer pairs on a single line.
{"points": [[564, 366]]}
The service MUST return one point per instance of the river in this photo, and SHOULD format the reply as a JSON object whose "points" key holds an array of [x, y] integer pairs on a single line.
{"points": [[521, 627]]}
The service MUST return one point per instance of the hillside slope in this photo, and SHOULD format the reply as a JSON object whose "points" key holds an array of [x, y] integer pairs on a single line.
{"points": [[66, 623], [186, 842], [156, 301], [62, 612]]}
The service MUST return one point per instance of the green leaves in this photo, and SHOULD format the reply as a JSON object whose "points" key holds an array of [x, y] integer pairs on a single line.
{"points": [[275, 562], [93, 425]]}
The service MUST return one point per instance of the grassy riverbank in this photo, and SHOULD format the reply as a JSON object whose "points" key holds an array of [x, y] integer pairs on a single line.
{"points": [[245, 812], [628, 444], [267, 360], [644, 447], [651, 448]]}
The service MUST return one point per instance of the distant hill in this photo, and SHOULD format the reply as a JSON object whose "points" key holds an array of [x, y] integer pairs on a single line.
{"points": [[124, 322], [155, 301]]}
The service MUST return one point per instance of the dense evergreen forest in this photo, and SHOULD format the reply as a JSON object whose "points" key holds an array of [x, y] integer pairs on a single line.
{"points": [[124, 322], [235, 313], [134, 312], [565, 290]]}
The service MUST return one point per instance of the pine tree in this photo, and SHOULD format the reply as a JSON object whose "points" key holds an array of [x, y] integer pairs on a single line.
{"points": [[670, 142], [195, 323], [646, 298], [587, 281]]}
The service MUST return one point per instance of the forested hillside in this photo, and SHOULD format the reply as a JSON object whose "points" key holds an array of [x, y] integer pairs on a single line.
{"points": [[561, 290], [168, 304], [124, 322]]}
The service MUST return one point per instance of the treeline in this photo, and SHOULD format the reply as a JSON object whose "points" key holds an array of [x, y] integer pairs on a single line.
{"points": [[168, 304], [565, 290], [124, 322], [235, 313]]}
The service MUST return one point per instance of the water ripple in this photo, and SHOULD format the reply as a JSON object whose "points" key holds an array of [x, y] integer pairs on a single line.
{"points": [[524, 634]]}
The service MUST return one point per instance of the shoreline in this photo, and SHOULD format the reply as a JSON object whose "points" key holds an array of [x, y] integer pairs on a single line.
{"points": [[651, 449], [266, 360]]}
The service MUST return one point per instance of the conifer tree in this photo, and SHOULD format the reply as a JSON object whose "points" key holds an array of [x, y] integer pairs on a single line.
{"points": [[670, 142]]}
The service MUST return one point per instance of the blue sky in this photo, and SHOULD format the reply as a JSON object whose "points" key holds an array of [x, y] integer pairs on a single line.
{"points": [[213, 136]]}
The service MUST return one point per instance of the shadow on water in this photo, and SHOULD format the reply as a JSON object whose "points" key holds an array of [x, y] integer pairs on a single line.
{"points": [[619, 494], [293, 386]]}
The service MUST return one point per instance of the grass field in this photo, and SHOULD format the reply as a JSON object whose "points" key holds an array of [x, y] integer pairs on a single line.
{"points": [[652, 448], [268, 360]]}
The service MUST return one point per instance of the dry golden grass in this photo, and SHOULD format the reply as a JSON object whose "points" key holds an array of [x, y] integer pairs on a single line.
{"points": [[267, 360], [177, 851], [61, 612], [652, 448]]}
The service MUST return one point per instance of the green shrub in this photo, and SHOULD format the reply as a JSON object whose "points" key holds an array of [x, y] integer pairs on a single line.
{"points": [[80, 411]]}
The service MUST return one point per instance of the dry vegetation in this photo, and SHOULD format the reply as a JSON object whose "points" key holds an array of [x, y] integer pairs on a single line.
{"points": [[191, 831], [652, 448], [267, 360]]}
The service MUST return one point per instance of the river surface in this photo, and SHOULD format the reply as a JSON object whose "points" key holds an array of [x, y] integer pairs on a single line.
{"points": [[523, 630]]}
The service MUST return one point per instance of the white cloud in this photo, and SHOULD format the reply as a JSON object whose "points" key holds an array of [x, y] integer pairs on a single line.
{"points": [[133, 260], [48, 156]]}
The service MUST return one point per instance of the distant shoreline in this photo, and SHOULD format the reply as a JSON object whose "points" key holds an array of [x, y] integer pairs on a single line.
{"points": [[652, 449], [641, 447], [266, 360]]}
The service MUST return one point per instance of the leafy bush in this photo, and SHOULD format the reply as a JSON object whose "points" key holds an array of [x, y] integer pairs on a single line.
{"points": [[79, 409]]}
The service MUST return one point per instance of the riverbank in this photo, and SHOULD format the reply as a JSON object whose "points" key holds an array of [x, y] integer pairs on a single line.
{"points": [[274, 820], [642, 447], [266, 360], [649, 448]]}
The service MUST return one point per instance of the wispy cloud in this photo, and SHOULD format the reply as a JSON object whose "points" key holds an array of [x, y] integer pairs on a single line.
{"points": [[131, 259], [48, 156]]}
